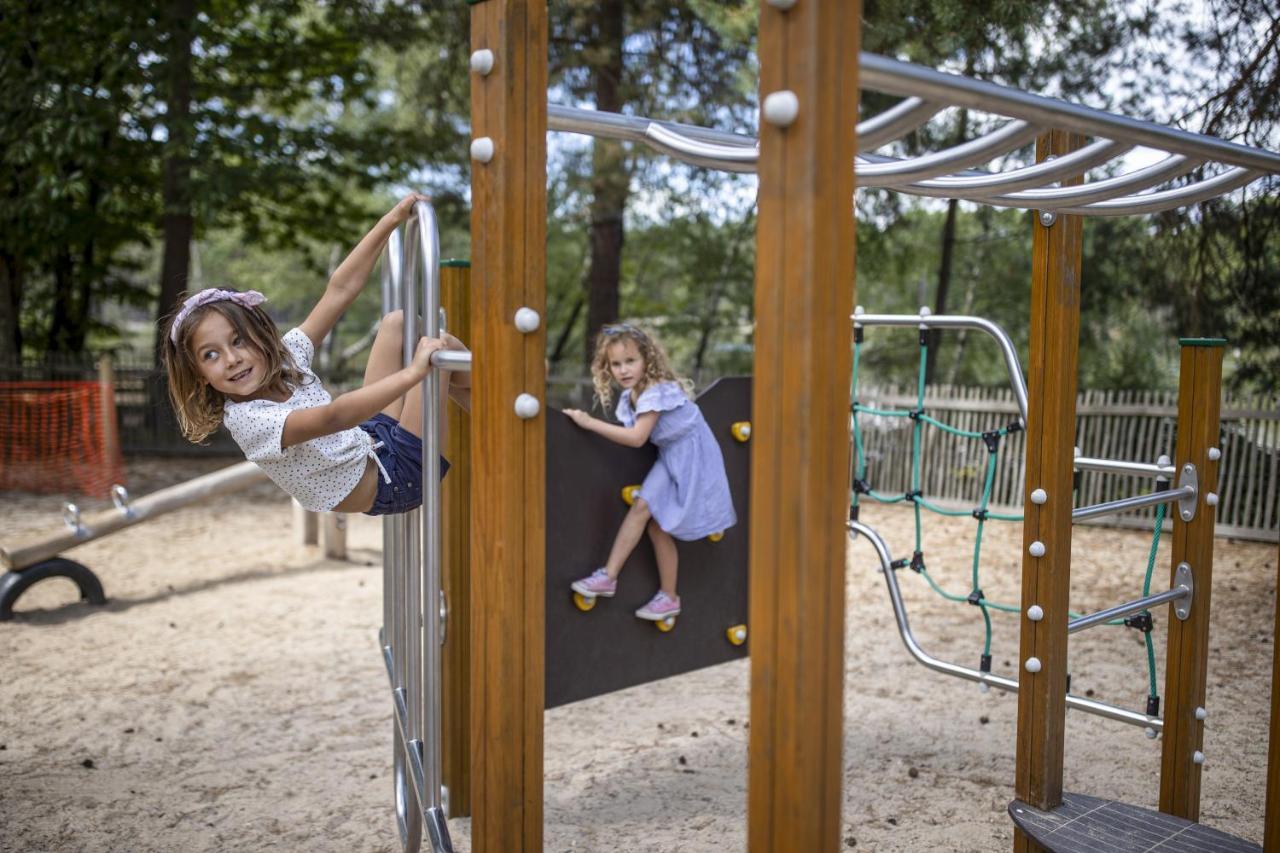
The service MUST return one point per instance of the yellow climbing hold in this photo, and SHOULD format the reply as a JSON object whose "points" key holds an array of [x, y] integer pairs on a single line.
{"points": [[737, 634], [629, 494], [741, 430]]}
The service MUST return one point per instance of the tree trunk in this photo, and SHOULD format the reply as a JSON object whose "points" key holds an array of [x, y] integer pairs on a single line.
{"points": [[178, 222], [61, 333], [610, 181], [11, 282], [944, 285], [557, 352]]}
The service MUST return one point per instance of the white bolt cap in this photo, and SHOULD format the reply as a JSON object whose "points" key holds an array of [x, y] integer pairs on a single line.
{"points": [[1211, 498], [1039, 496], [781, 108], [1036, 549], [527, 406], [1164, 461], [482, 61], [527, 320], [482, 149], [1150, 733], [858, 310], [983, 687], [1032, 664], [1035, 613], [1214, 454], [1197, 757], [1201, 713]]}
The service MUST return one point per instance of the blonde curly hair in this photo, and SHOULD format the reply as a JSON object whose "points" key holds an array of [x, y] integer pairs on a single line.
{"points": [[657, 368], [198, 406]]}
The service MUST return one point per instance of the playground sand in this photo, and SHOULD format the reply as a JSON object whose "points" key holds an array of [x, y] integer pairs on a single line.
{"points": [[231, 698]]}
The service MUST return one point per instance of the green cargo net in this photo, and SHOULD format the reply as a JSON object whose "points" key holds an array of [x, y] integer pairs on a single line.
{"points": [[993, 439]]}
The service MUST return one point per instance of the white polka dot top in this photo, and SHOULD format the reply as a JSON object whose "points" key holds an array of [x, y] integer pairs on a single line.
{"points": [[320, 472]]}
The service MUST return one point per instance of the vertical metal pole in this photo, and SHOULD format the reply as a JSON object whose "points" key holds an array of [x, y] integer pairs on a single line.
{"points": [[1271, 823]]}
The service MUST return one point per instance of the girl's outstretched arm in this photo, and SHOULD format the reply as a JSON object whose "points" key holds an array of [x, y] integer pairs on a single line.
{"points": [[356, 407], [348, 279], [633, 436]]}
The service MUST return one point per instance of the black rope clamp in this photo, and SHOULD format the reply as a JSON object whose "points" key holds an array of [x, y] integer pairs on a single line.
{"points": [[975, 597], [861, 487], [857, 334], [1162, 485], [853, 512], [1153, 706], [992, 440], [980, 514], [899, 564], [915, 414], [1014, 426], [917, 562], [1140, 621], [984, 665], [913, 496]]}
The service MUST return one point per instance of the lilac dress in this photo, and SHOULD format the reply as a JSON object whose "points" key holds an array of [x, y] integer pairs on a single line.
{"points": [[687, 489]]}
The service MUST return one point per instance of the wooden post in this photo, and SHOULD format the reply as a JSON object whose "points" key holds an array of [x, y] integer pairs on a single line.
{"points": [[1046, 579], [333, 535], [306, 525], [508, 495], [112, 460], [1187, 649], [1271, 825], [455, 283], [800, 437]]}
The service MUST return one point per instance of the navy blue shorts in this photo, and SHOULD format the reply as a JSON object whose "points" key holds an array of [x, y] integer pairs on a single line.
{"points": [[401, 454]]}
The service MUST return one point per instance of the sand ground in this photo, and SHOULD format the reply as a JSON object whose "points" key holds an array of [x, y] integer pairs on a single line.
{"points": [[231, 697]]}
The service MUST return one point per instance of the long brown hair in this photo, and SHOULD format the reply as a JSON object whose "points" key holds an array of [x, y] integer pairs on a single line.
{"points": [[198, 406], [657, 367]]}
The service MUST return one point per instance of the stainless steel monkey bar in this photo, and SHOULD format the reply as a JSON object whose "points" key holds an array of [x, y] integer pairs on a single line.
{"points": [[948, 173], [414, 607]]}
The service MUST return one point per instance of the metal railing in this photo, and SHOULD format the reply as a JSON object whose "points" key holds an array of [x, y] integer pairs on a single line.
{"points": [[414, 607]]}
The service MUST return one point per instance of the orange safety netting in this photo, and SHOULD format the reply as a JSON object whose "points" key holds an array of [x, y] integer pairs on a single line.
{"points": [[55, 437]]}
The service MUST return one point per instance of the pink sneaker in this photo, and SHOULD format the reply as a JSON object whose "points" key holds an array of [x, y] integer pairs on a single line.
{"points": [[598, 584], [660, 607]]}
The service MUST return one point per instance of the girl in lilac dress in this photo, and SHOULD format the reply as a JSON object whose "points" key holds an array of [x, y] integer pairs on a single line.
{"points": [[686, 493]]}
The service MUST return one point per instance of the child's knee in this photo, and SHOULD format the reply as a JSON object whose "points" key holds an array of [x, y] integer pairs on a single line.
{"points": [[392, 323], [641, 509]]}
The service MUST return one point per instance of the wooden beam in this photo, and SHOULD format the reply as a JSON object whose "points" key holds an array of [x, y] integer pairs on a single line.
{"points": [[455, 759], [1187, 648], [1271, 825], [508, 232], [800, 417], [1046, 579]]}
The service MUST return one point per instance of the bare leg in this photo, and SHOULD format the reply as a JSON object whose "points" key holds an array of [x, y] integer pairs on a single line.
{"points": [[664, 548], [628, 536], [387, 356]]}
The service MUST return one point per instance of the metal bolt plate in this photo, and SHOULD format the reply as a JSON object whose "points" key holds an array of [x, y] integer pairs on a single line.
{"points": [[1182, 577], [1187, 505]]}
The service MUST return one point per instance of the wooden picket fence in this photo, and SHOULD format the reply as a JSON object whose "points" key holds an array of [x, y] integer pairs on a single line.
{"points": [[1135, 426]]}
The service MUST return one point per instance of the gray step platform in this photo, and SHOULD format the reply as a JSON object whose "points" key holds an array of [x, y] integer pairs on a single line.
{"points": [[1085, 824]]}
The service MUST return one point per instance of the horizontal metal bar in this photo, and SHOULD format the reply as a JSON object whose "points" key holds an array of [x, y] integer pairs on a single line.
{"points": [[1079, 703], [897, 121], [1135, 502], [983, 149], [452, 359], [960, 321], [1127, 609], [901, 78], [1116, 466]]}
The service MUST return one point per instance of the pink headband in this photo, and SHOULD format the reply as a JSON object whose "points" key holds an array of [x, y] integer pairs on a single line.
{"points": [[248, 299]]}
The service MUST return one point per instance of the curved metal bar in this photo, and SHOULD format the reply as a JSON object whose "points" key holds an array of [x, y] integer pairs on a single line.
{"points": [[633, 128], [902, 78], [730, 158], [1232, 179], [1148, 176], [958, 321], [976, 185], [1101, 709], [898, 120], [980, 150]]}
